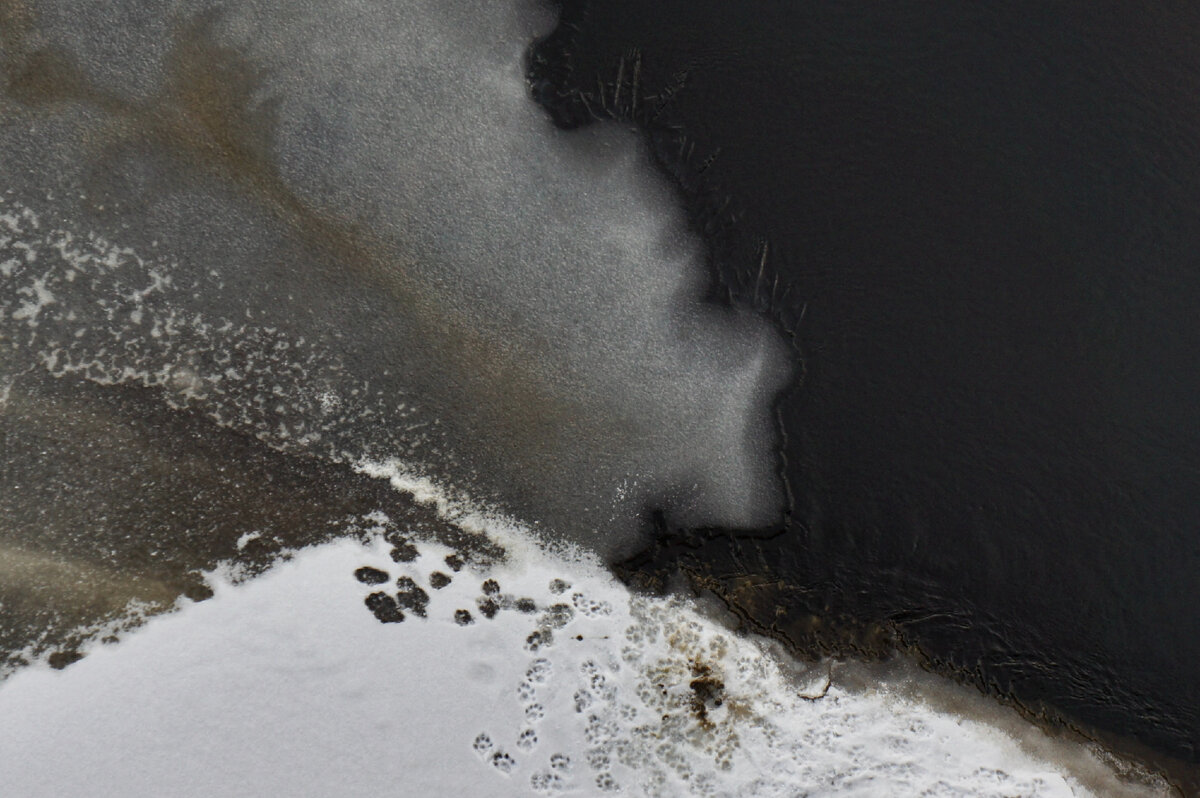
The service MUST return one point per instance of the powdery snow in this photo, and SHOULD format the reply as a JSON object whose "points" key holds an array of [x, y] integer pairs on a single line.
{"points": [[289, 685]]}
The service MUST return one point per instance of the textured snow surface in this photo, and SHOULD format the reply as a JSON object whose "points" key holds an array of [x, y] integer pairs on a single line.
{"points": [[289, 685]]}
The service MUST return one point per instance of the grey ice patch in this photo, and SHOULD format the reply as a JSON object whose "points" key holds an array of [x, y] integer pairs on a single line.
{"points": [[393, 197], [77, 303], [609, 298]]}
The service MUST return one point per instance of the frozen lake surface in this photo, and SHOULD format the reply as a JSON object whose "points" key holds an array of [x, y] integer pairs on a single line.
{"points": [[288, 683]]}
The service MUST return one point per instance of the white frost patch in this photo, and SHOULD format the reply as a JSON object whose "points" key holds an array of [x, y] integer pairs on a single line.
{"points": [[246, 538], [37, 296], [452, 506], [288, 685], [101, 311]]}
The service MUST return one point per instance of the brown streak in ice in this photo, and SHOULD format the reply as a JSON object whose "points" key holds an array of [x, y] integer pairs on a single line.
{"points": [[209, 117], [61, 568]]}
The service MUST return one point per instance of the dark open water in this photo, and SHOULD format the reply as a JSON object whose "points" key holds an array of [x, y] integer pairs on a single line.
{"points": [[982, 224]]}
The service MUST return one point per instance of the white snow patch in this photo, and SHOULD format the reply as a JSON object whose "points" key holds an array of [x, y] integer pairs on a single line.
{"points": [[288, 685], [246, 538]]}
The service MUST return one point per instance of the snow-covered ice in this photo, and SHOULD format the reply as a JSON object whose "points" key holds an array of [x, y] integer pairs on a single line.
{"points": [[539, 675]]}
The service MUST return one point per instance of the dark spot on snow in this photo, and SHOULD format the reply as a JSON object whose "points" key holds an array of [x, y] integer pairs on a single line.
{"points": [[455, 562], [371, 576], [491, 587], [463, 618], [384, 608], [404, 551], [198, 592], [526, 605], [488, 607], [708, 691], [559, 586], [539, 639], [61, 659], [438, 580], [411, 596]]}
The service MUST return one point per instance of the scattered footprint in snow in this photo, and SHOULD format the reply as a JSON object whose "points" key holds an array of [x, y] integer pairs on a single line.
{"points": [[482, 744], [503, 762], [651, 700]]}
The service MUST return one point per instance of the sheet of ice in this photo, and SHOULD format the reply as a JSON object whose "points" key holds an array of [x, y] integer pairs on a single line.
{"points": [[373, 179], [289, 685]]}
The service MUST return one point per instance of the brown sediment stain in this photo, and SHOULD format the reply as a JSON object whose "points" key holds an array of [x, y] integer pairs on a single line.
{"points": [[15, 23], [53, 603], [52, 578], [46, 76], [782, 610], [708, 691]]}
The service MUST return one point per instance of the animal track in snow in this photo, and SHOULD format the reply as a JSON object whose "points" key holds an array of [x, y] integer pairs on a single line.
{"points": [[546, 782], [410, 596], [503, 762], [539, 670], [482, 744], [641, 696]]}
